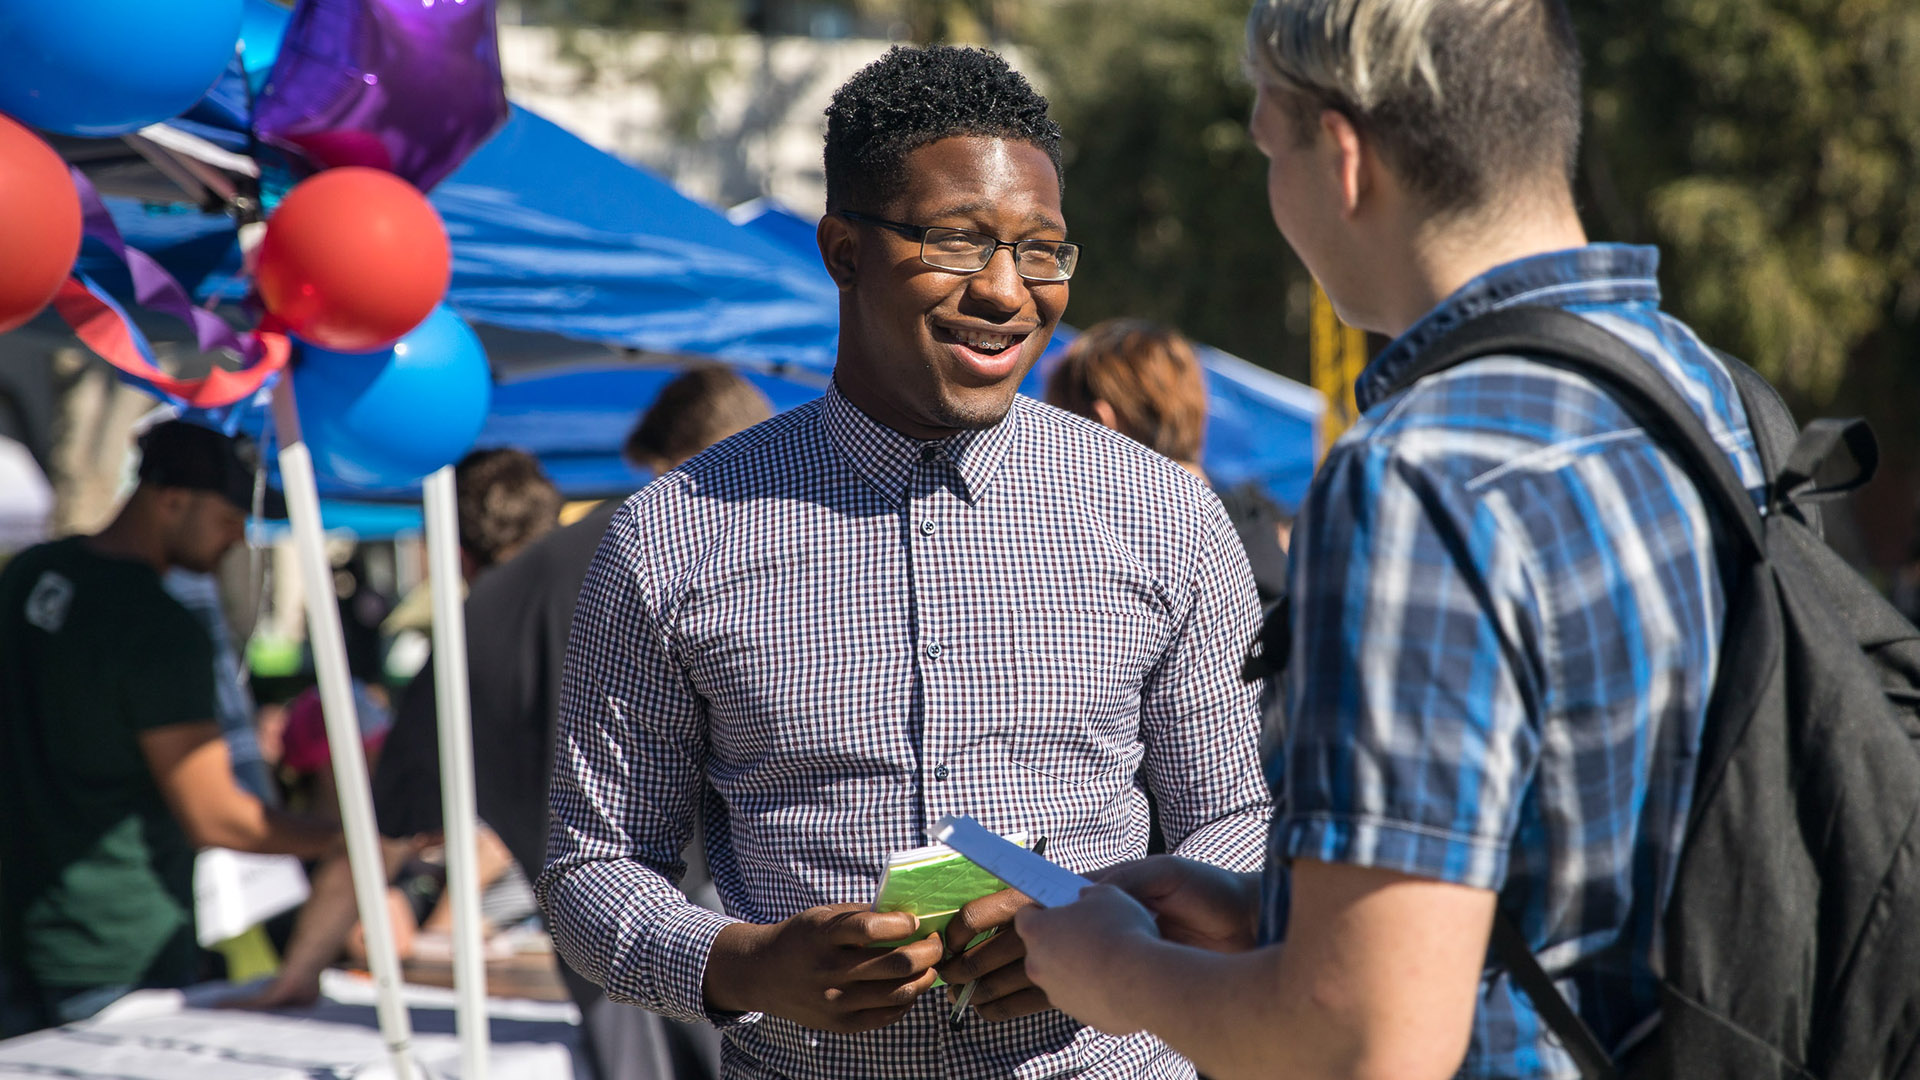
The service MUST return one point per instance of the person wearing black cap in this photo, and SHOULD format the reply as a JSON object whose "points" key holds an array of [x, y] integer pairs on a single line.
{"points": [[112, 768]]}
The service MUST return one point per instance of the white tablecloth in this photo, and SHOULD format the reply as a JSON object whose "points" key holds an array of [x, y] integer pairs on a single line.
{"points": [[179, 1035]]}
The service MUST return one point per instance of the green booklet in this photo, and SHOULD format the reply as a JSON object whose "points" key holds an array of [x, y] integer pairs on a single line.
{"points": [[934, 882]]}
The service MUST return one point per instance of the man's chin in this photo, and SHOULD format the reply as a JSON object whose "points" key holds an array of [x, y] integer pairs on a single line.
{"points": [[975, 409]]}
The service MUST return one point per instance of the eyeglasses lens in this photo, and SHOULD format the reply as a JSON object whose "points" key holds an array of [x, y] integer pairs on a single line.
{"points": [[968, 252]]}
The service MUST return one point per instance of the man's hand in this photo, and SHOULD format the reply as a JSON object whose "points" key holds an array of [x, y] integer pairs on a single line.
{"points": [[1195, 903], [999, 963], [821, 968], [1069, 949]]}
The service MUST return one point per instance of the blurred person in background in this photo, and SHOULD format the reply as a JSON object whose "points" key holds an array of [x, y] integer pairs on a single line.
{"points": [[518, 624], [503, 501], [518, 620], [113, 769], [1142, 380], [199, 593]]}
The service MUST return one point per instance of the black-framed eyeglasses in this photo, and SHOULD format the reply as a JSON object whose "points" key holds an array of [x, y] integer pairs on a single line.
{"points": [[963, 251]]}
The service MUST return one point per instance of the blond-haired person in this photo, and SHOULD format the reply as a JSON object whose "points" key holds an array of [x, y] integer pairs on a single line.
{"points": [[1506, 600]]}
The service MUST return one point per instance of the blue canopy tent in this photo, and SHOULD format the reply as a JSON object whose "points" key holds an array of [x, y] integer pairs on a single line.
{"points": [[553, 236], [1261, 427], [563, 256]]}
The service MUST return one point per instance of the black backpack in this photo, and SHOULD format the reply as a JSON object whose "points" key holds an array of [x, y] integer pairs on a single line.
{"points": [[1793, 933]]}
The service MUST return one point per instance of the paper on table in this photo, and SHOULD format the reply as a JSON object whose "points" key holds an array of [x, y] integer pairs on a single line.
{"points": [[1048, 883]]}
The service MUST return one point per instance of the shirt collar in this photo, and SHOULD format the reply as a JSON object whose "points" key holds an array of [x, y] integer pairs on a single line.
{"points": [[1595, 274], [886, 458]]}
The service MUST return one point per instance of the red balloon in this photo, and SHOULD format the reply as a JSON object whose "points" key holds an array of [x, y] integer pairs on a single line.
{"points": [[39, 224], [353, 259]]}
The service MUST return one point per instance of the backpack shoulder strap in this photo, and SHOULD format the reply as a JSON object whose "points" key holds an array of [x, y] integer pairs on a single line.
{"points": [[1510, 948], [1774, 428], [1775, 434], [1563, 339]]}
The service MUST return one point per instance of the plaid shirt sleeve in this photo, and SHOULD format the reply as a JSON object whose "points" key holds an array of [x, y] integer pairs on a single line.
{"points": [[1413, 680], [1197, 716], [629, 762]]}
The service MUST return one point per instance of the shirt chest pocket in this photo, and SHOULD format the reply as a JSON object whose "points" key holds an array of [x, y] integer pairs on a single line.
{"points": [[1081, 674]]}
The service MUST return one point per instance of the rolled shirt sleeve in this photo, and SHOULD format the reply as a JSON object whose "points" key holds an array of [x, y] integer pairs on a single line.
{"points": [[1198, 716], [1412, 686], [628, 783]]}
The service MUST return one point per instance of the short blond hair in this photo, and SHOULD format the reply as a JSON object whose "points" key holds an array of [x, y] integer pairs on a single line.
{"points": [[1466, 99]]}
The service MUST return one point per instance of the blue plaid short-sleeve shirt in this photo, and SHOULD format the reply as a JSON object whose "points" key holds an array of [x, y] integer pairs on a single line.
{"points": [[1507, 615]]}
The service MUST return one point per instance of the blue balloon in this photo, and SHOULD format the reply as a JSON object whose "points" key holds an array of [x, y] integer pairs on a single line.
{"points": [[263, 24], [385, 419], [108, 67]]}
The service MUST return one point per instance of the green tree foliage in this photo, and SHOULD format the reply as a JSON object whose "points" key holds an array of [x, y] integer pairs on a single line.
{"points": [[1164, 185], [1769, 147]]}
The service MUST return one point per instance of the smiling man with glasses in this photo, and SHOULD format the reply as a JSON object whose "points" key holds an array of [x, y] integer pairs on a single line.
{"points": [[921, 594]]}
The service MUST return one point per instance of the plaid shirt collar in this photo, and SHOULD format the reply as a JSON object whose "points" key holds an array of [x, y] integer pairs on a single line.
{"points": [[886, 458], [1595, 274]]}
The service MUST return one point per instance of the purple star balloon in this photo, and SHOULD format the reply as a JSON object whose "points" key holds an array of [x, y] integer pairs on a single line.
{"points": [[409, 86]]}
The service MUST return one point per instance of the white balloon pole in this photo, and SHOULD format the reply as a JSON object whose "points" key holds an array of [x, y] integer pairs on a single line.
{"points": [[343, 729], [456, 769]]}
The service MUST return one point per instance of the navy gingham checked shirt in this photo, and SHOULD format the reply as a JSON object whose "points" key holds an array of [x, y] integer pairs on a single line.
{"points": [[1507, 616], [821, 635]]}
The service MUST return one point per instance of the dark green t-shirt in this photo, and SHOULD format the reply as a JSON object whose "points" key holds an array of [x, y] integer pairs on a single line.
{"points": [[96, 876]]}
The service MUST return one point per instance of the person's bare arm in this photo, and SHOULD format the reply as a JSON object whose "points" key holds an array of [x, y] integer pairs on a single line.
{"points": [[325, 920], [491, 859], [1378, 978], [191, 767]]}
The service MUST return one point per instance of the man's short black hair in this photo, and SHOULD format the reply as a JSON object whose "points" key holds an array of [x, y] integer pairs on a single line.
{"points": [[911, 97]]}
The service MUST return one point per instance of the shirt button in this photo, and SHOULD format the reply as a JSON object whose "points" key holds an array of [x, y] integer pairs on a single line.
{"points": [[942, 773], [927, 527], [928, 453], [933, 651]]}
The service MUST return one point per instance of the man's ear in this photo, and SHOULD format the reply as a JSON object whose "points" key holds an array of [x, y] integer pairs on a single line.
{"points": [[1349, 157], [839, 249], [1103, 412], [172, 501]]}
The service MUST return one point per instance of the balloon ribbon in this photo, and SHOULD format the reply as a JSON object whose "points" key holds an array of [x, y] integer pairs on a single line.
{"points": [[102, 324]]}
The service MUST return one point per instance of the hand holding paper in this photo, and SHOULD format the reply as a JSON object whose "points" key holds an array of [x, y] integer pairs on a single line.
{"points": [[826, 968], [1072, 952], [989, 969]]}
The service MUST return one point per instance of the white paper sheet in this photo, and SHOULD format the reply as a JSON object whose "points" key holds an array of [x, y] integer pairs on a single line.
{"points": [[1048, 883]]}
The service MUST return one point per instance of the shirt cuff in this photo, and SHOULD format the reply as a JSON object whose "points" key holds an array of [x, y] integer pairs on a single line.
{"points": [[687, 936], [1403, 846], [629, 930], [1237, 842]]}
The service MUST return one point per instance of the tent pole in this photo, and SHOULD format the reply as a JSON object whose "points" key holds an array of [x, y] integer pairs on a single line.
{"points": [[343, 729], [456, 769]]}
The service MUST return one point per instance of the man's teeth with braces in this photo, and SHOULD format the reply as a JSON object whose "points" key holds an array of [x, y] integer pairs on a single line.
{"points": [[984, 342]]}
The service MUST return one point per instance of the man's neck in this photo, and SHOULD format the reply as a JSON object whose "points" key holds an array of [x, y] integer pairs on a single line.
{"points": [[128, 536], [1445, 256]]}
